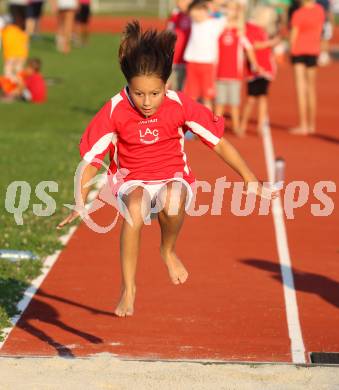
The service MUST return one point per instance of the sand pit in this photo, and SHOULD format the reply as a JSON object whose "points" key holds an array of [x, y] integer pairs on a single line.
{"points": [[107, 372]]}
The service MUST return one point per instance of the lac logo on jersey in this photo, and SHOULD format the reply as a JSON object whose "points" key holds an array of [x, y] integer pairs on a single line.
{"points": [[149, 136]]}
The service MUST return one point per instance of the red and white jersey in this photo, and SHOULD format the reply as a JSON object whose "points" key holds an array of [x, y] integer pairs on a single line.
{"points": [[264, 57], [231, 55], [180, 23], [149, 148]]}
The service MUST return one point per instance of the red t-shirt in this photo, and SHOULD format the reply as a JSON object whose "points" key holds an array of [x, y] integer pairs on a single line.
{"points": [[37, 87], [149, 148], [231, 55], [180, 23], [264, 56], [309, 21]]}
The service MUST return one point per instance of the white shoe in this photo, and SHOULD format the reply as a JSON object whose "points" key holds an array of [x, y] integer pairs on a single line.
{"points": [[324, 58]]}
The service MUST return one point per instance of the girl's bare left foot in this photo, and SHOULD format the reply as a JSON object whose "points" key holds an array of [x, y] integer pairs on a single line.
{"points": [[177, 272], [126, 305], [239, 133]]}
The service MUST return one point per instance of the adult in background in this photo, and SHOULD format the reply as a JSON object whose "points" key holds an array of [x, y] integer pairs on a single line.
{"points": [[65, 10], [306, 27]]}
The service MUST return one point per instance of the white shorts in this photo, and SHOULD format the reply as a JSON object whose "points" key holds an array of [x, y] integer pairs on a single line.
{"points": [[153, 189], [228, 92], [64, 5]]}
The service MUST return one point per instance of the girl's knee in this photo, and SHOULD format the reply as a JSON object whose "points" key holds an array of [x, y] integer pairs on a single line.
{"points": [[137, 206], [174, 198]]}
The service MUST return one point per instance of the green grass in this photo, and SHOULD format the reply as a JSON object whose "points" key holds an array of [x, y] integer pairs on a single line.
{"points": [[40, 142]]}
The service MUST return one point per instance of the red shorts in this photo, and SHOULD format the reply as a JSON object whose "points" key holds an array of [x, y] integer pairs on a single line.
{"points": [[200, 80]]}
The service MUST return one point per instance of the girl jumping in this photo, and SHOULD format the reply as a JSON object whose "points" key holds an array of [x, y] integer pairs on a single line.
{"points": [[142, 128]]}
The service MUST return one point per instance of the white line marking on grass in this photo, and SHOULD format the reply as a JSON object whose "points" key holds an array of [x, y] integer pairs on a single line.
{"points": [[293, 322], [47, 266]]}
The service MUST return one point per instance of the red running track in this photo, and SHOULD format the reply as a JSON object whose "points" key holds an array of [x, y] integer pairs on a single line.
{"points": [[232, 307], [115, 24], [105, 24]]}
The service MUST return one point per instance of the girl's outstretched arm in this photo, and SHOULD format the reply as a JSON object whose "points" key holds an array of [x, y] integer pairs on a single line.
{"points": [[232, 157], [89, 171]]}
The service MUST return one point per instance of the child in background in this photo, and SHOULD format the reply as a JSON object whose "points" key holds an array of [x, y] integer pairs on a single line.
{"points": [[307, 24], [230, 71], [257, 85], [180, 23], [31, 85], [14, 48], [82, 18], [201, 53], [153, 156]]}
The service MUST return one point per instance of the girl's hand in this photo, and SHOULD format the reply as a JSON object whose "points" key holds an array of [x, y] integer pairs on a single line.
{"points": [[268, 192], [69, 219], [54, 8]]}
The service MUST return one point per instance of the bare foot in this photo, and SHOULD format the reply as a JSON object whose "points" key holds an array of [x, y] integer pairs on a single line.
{"points": [[126, 305], [299, 131], [176, 269], [311, 130], [239, 133]]}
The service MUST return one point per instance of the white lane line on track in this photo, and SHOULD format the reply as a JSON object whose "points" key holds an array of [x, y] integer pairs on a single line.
{"points": [[292, 313], [47, 266]]}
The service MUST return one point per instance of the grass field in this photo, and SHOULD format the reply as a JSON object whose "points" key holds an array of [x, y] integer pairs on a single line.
{"points": [[40, 142]]}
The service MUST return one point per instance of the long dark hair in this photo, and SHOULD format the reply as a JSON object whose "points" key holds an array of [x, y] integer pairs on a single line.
{"points": [[146, 52]]}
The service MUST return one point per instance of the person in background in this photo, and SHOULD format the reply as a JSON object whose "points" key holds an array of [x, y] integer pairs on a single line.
{"points": [[327, 33], [307, 24], [34, 12], [82, 19], [258, 33], [31, 86], [180, 23], [65, 11], [14, 47], [18, 10], [201, 53], [233, 45]]}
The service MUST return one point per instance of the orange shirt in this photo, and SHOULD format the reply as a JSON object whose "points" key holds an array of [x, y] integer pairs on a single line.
{"points": [[14, 42], [7, 85], [309, 22]]}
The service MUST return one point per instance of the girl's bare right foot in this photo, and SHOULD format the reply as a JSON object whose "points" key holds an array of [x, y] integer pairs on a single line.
{"points": [[299, 131], [177, 272], [126, 305]]}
